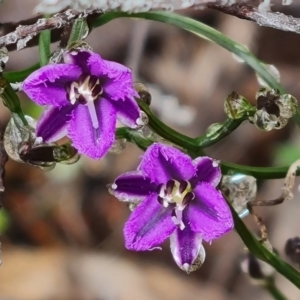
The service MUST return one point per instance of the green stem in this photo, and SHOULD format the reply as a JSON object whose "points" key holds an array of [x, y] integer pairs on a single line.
{"points": [[274, 291], [211, 137], [133, 137], [227, 168], [261, 252], [11, 99], [257, 172], [44, 46], [205, 32], [19, 76], [168, 133], [79, 31]]}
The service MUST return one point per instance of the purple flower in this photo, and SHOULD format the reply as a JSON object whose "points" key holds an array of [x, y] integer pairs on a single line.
{"points": [[84, 96], [177, 198]]}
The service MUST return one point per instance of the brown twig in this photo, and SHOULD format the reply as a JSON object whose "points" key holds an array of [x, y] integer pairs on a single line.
{"points": [[261, 225], [267, 19], [24, 33]]}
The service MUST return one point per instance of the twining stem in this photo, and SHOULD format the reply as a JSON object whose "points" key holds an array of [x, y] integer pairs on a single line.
{"points": [[168, 133], [257, 172], [209, 138], [274, 291], [193, 146], [261, 252], [226, 167], [19, 76]]}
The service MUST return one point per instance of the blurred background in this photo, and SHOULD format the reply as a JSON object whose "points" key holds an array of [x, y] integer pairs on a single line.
{"points": [[61, 231]]}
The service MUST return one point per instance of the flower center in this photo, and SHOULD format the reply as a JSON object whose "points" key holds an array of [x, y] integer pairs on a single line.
{"points": [[85, 91], [178, 194]]}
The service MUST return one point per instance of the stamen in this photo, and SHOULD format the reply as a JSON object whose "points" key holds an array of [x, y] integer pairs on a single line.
{"points": [[93, 81], [181, 225], [188, 198], [170, 186], [177, 218], [182, 186], [160, 200], [97, 91], [86, 89], [93, 114], [72, 93], [161, 190]]}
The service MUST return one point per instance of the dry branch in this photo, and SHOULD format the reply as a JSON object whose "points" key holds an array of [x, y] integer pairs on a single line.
{"points": [[24, 33], [267, 19]]}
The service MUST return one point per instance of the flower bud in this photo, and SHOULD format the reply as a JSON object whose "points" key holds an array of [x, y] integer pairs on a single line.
{"points": [[143, 120], [39, 156], [22, 145], [292, 249], [236, 106], [259, 271], [239, 190], [16, 134], [143, 92]]}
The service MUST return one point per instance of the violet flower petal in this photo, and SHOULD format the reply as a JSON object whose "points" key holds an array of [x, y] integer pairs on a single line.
{"points": [[117, 79], [86, 139], [187, 249], [79, 58], [127, 111], [208, 213], [46, 86], [132, 187], [52, 124], [149, 225], [162, 162], [207, 170]]}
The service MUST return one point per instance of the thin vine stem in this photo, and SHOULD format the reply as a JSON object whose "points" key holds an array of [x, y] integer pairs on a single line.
{"points": [[226, 167], [274, 291]]}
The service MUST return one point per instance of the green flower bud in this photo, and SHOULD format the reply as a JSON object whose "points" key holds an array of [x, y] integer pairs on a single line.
{"points": [[236, 106], [239, 189]]}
